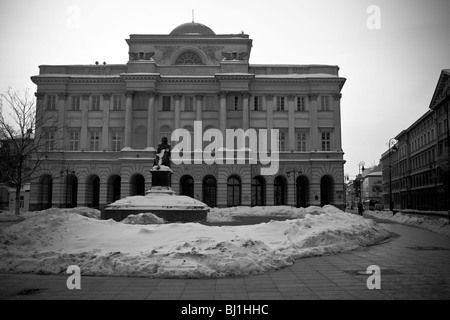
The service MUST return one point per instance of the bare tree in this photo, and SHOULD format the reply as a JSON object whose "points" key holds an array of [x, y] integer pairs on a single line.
{"points": [[22, 151]]}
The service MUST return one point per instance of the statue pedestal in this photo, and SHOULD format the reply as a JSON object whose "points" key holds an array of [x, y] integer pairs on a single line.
{"points": [[159, 200]]}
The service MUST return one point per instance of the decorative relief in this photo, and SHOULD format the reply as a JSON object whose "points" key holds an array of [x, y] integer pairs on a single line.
{"points": [[39, 95], [337, 96], [167, 51], [313, 96], [107, 96], [133, 56], [210, 51], [85, 96], [234, 55], [291, 97], [63, 95]]}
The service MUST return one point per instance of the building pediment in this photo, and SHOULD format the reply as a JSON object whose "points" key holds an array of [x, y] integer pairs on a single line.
{"points": [[442, 90]]}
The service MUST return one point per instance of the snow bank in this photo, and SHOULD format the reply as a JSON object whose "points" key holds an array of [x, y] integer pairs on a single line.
{"points": [[230, 214], [10, 216], [438, 225], [143, 218], [49, 243]]}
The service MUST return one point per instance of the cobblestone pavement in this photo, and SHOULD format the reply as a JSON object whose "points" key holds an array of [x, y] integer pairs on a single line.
{"points": [[414, 264]]}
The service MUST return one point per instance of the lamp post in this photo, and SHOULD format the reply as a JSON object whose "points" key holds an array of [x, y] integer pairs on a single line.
{"points": [[392, 143], [360, 168], [294, 172], [61, 174]]}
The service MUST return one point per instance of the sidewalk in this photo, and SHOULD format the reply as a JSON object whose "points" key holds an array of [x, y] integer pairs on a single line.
{"points": [[414, 265]]}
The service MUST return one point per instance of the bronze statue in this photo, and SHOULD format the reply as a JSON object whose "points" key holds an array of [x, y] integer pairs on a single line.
{"points": [[162, 154]]}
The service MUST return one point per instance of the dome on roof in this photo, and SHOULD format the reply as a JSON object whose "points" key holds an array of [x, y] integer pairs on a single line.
{"points": [[192, 28]]}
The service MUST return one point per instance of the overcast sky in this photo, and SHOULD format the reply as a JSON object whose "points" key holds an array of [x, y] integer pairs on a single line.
{"points": [[391, 71]]}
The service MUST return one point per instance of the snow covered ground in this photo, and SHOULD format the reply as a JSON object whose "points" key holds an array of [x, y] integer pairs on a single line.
{"points": [[435, 224], [49, 241]]}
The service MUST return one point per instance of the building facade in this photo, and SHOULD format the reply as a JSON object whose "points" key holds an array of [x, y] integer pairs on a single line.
{"points": [[416, 170], [110, 119]]}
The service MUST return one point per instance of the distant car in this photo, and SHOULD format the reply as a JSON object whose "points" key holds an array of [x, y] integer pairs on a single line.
{"points": [[371, 204]]}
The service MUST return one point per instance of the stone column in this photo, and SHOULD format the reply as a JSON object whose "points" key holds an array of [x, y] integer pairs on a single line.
{"points": [[291, 122], [128, 118], [223, 113], [314, 122], [106, 105], [84, 121], [151, 120], [176, 123], [199, 104], [337, 121], [61, 130], [245, 111]]}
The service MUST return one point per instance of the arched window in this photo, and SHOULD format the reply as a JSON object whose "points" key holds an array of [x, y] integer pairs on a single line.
{"points": [[189, 57], [137, 185], [326, 190], [113, 190], [302, 189], [45, 191], [165, 131], [93, 191], [279, 191], [258, 191], [210, 191], [187, 186], [233, 191]]}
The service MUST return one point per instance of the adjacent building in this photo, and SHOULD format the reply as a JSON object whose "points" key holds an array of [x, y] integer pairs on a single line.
{"points": [[110, 119], [416, 169]]}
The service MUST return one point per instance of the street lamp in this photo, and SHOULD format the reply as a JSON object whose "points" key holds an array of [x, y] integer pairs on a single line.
{"points": [[392, 143], [61, 174], [360, 168], [294, 172]]}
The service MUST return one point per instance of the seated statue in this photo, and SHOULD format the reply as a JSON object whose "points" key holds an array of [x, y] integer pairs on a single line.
{"points": [[162, 154]]}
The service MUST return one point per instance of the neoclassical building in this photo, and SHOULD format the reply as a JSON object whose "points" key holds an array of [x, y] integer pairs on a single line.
{"points": [[110, 119]]}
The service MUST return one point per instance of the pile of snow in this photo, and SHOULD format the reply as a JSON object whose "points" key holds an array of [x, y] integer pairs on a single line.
{"points": [[143, 218], [10, 216], [159, 200], [230, 214], [438, 225], [49, 243]]}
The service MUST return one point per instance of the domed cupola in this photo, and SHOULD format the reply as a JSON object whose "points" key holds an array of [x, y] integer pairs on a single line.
{"points": [[192, 28]]}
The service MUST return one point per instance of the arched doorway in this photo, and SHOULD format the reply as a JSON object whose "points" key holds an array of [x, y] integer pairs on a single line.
{"points": [[302, 190], [258, 191], [210, 191], [45, 191], [326, 190], [279, 191], [71, 195], [113, 189], [137, 185], [93, 191], [233, 191], [187, 186]]}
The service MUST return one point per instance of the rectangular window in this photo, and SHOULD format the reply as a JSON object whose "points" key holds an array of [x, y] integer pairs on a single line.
{"points": [[326, 141], [166, 100], [234, 103], [301, 106], [76, 101], [95, 103], [51, 102], [257, 102], [188, 103], [209, 103], [95, 141], [301, 141], [139, 102], [22, 201], [325, 103], [282, 141], [117, 141], [280, 103], [74, 138], [117, 102], [50, 140]]}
